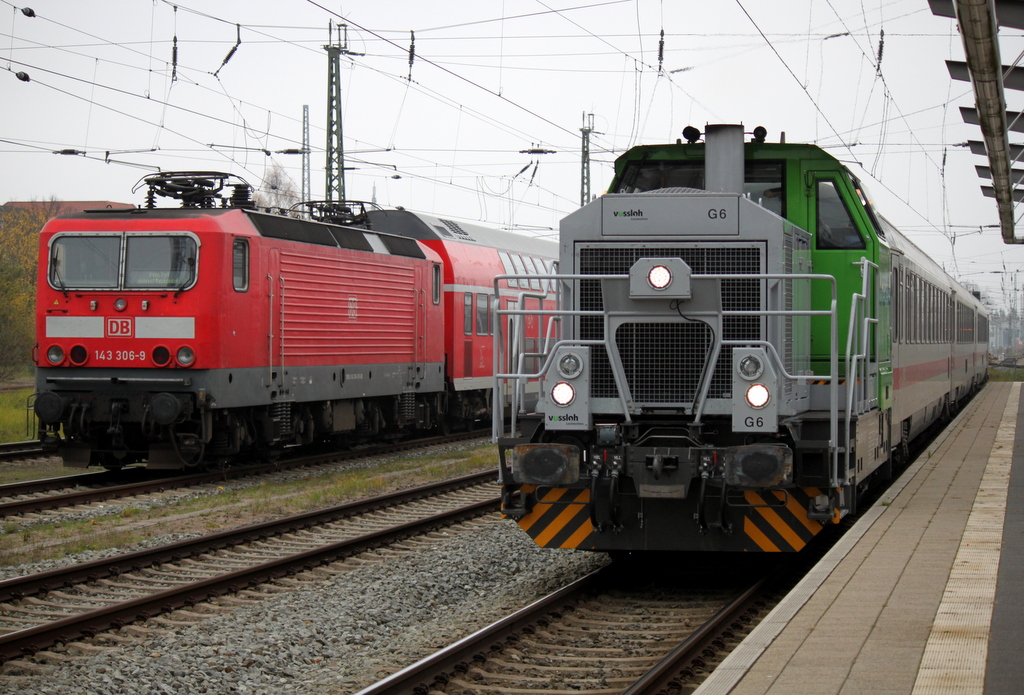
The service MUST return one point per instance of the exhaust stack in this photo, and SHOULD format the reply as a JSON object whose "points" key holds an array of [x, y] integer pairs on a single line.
{"points": [[723, 158]]}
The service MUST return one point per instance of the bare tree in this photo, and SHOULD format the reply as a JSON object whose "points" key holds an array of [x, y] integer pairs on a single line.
{"points": [[277, 190]]}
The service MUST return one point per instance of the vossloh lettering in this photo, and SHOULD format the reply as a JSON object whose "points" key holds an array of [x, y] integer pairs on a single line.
{"points": [[627, 213]]}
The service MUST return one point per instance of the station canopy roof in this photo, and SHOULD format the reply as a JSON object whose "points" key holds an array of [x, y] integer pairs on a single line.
{"points": [[979, 22]]}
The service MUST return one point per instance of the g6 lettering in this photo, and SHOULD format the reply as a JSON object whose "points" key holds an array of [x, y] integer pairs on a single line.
{"points": [[754, 422], [717, 214]]}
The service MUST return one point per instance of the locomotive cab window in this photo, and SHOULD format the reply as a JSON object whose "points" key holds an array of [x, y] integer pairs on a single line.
{"points": [[85, 262], [240, 265], [836, 229], [762, 183], [652, 176], [123, 261], [159, 262], [762, 179]]}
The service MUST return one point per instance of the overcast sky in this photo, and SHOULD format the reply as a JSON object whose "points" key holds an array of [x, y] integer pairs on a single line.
{"points": [[489, 79]]}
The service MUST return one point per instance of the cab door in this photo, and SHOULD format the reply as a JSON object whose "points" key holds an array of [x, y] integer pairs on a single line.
{"points": [[842, 237]]}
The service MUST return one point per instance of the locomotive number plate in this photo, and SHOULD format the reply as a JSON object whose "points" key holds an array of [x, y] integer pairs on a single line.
{"points": [[121, 355]]}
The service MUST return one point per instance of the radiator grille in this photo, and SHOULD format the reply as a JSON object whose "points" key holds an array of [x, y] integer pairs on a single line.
{"points": [[658, 359], [737, 295]]}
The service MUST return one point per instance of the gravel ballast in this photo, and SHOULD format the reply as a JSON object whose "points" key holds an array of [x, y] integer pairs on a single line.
{"points": [[340, 634]]}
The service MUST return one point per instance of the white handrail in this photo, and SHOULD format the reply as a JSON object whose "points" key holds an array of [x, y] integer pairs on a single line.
{"points": [[560, 314]]}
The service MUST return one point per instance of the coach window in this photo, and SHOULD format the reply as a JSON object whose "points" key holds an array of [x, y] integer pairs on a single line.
{"points": [[467, 319], [506, 262], [549, 284], [240, 265], [895, 285], [437, 284], [535, 268], [482, 314], [836, 229], [524, 284]]}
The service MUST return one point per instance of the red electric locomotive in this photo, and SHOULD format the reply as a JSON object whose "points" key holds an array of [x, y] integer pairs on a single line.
{"points": [[186, 336]]}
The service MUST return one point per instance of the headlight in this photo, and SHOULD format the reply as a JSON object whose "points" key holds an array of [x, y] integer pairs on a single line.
{"points": [[185, 356], [161, 356], [570, 365], [563, 393], [659, 277], [758, 395], [79, 355], [120, 303], [750, 367], [55, 354]]}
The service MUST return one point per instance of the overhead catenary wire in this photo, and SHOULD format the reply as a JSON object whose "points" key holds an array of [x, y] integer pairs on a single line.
{"points": [[245, 119], [165, 104]]}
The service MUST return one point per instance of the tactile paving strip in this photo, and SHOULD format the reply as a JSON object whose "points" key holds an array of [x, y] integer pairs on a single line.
{"points": [[957, 649]]}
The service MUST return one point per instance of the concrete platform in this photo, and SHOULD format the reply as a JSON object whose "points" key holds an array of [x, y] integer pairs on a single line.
{"points": [[925, 594]]}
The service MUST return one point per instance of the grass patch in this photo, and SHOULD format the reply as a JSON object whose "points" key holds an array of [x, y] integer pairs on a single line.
{"points": [[226, 509], [12, 416], [1006, 373], [35, 469]]}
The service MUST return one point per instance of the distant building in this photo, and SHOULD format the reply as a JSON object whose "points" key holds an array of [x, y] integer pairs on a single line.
{"points": [[64, 207]]}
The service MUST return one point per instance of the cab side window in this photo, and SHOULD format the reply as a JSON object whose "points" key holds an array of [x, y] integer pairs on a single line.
{"points": [[836, 229], [240, 265]]}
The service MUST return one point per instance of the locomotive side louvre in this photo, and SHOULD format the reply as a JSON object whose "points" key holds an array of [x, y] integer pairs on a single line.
{"points": [[729, 373], [371, 314]]}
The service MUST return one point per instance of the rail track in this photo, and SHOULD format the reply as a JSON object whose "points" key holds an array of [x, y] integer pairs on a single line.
{"points": [[592, 636], [78, 602], [39, 496], [20, 450]]}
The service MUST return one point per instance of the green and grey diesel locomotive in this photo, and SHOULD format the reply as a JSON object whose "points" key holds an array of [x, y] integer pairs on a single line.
{"points": [[742, 344]]}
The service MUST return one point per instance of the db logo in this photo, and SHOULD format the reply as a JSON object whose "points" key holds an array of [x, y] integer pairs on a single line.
{"points": [[119, 327]]}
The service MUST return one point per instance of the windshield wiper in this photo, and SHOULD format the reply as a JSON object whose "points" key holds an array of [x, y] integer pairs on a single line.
{"points": [[188, 279], [56, 276]]}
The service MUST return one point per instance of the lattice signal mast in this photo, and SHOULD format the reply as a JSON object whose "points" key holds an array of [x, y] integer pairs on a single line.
{"points": [[335, 168], [306, 193], [587, 129]]}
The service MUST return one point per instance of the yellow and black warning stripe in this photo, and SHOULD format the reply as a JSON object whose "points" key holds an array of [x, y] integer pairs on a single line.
{"points": [[775, 521], [560, 519], [826, 382], [779, 524]]}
